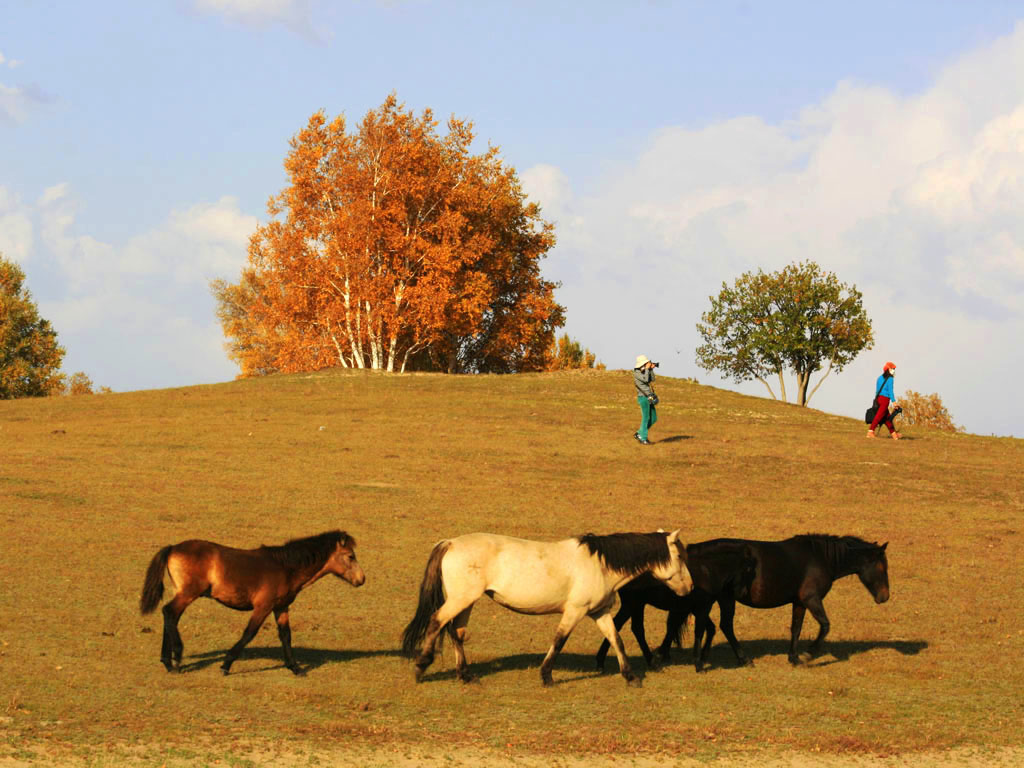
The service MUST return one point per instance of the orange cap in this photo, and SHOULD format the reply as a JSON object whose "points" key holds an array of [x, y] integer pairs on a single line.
{"points": [[887, 366]]}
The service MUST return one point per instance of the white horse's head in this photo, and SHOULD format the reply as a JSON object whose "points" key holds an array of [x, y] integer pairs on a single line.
{"points": [[675, 573]]}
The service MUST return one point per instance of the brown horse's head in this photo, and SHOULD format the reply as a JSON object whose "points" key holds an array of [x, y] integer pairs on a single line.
{"points": [[874, 573], [342, 562]]}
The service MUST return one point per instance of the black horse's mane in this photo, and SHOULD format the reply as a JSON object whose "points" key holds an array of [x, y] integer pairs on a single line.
{"points": [[628, 552], [839, 551], [308, 552]]}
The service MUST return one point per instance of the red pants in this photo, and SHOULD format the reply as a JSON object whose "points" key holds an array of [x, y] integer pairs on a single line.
{"points": [[882, 416]]}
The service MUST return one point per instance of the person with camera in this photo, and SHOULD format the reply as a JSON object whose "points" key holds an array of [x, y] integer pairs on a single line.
{"points": [[884, 397], [643, 377]]}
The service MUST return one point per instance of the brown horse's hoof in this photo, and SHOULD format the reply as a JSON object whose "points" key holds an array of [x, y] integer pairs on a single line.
{"points": [[634, 682], [547, 682]]}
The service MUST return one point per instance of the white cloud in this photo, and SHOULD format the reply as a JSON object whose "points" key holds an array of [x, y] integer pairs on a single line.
{"points": [[15, 228], [295, 14], [138, 312], [915, 199]]}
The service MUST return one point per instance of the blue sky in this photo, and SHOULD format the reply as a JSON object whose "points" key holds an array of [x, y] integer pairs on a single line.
{"points": [[674, 144]]}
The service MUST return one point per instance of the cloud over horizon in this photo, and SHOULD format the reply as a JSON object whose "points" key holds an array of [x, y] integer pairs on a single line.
{"points": [[915, 199]]}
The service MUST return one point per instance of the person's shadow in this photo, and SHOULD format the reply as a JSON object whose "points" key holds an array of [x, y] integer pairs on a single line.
{"points": [[673, 439]]}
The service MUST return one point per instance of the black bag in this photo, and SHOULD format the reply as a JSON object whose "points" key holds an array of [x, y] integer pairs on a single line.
{"points": [[652, 399], [869, 414]]}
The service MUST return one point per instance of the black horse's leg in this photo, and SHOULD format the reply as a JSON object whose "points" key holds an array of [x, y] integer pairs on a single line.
{"points": [[702, 626], [673, 627], [794, 631], [817, 609], [284, 632], [620, 619], [727, 612], [259, 615], [636, 623]]}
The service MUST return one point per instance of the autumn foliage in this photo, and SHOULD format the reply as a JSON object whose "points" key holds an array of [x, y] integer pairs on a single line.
{"points": [[927, 410], [569, 354], [393, 247], [30, 356]]}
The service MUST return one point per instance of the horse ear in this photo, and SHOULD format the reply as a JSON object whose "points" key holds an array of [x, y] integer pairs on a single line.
{"points": [[674, 536], [884, 546]]}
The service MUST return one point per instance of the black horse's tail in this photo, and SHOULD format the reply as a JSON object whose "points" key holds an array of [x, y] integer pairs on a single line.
{"points": [[153, 588], [431, 598]]}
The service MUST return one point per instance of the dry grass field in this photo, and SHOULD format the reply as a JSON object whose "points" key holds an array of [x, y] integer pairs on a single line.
{"points": [[91, 487]]}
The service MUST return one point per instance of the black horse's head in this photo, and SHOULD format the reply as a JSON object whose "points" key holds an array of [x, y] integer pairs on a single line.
{"points": [[874, 572]]}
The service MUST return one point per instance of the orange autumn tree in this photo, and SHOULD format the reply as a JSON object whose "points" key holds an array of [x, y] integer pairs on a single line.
{"points": [[393, 248]]}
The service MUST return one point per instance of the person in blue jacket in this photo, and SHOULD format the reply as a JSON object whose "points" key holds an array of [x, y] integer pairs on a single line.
{"points": [[886, 396]]}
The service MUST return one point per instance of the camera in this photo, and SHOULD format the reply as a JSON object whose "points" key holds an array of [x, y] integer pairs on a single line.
{"points": [[657, 364]]}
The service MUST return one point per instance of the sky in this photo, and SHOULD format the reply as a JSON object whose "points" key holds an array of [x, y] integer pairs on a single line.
{"points": [[674, 145]]}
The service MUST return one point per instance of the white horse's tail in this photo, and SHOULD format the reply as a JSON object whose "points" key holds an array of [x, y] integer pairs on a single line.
{"points": [[431, 598]]}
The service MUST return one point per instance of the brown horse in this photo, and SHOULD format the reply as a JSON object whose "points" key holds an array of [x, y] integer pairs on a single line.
{"points": [[258, 580]]}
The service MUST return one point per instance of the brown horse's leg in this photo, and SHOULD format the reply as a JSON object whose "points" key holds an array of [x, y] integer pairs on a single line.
{"points": [[259, 615], [172, 645], [284, 632], [794, 630]]}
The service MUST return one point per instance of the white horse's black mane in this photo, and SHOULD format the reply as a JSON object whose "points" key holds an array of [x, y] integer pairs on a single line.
{"points": [[628, 552]]}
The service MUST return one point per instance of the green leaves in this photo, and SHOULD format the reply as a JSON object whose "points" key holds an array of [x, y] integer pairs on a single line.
{"points": [[798, 319]]}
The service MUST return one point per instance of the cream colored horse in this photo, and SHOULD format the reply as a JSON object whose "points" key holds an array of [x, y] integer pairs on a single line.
{"points": [[576, 577]]}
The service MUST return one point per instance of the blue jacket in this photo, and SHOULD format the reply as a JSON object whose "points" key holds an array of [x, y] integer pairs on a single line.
{"points": [[887, 390]]}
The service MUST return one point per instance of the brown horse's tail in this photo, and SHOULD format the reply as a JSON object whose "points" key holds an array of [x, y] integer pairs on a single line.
{"points": [[431, 598], [153, 588]]}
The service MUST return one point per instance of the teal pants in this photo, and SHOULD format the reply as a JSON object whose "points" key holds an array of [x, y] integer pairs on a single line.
{"points": [[649, 416]]}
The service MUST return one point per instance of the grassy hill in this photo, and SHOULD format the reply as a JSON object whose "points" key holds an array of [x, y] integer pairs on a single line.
{"points": [[91, 487]]}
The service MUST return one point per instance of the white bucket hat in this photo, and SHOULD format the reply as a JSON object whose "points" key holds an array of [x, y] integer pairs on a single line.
{"points": [[641, 360]]}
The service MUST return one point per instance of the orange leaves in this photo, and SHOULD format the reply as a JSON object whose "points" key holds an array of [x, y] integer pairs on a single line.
{"points": [[389, 242]]}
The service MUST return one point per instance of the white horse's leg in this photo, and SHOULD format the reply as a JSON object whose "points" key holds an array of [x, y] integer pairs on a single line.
{"points": [[458, 638], [606, 624], [570, 618], [453, 607]]}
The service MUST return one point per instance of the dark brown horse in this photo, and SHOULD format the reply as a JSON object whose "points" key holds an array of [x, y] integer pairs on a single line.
{"points": [[797, 571], [258, 580], [713, 573]]}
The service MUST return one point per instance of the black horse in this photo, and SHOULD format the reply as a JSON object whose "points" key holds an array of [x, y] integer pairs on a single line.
{"points": [[761, 574], [714, 571], [799, 571]]}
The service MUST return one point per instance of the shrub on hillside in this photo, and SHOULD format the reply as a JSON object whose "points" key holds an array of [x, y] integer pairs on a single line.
{"points": [[927, 410]]}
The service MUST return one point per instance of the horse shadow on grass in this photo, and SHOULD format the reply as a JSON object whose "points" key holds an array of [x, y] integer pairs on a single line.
{"points": [[308, 659], [568, 668], [721, 656]]}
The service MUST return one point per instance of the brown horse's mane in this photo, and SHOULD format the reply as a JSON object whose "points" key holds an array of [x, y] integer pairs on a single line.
{"points": [[839, 551], [308, 552], [628, 552]]}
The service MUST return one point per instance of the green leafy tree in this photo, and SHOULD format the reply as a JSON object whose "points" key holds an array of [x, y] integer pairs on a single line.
{"points": [[30, 357], [800, 319]]}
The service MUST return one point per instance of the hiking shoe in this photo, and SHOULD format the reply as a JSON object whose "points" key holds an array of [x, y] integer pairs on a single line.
{"points": [[896, 436], [636, 436], [871, 433], [644, 442]]}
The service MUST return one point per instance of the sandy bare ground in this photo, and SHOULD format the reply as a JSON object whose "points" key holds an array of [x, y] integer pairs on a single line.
{"points": [[407, 757]]}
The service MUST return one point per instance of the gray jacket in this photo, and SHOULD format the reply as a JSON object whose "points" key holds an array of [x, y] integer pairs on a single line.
{"points": [[643, 380]]}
